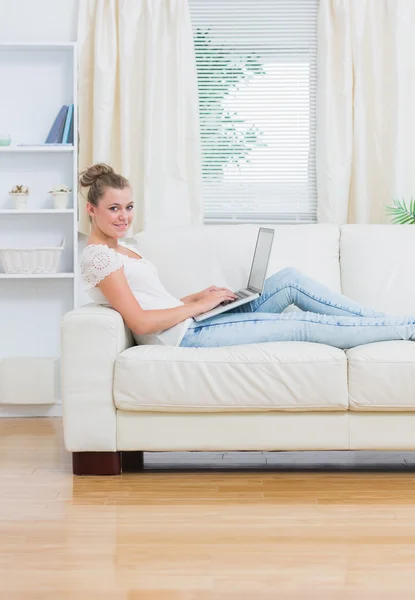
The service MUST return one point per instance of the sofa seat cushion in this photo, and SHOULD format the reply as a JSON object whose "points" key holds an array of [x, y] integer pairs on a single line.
{"points": [[292, 376], [382, 376]]}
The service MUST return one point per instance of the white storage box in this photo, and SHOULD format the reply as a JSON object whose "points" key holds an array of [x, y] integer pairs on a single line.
{"points": [[28, 380], [31, 260]]}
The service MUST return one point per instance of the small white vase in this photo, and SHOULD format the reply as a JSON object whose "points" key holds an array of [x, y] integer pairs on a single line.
{"points": [[20, 201], [60, 200]]}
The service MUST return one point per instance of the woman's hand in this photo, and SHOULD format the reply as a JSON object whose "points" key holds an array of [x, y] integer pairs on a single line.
{"points": [[213, 298], [205, 293], [211, 289]]}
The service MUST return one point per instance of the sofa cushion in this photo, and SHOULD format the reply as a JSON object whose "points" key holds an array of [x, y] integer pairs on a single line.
{"points": [[382, 376], [185, 258], [377, 264], [190, 259], [313, 249], [293, 376]]}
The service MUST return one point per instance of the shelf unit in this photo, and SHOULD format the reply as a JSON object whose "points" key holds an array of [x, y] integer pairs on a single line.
{"points": [[32, 305], [38, 211], [37, 149], [37, 275]]}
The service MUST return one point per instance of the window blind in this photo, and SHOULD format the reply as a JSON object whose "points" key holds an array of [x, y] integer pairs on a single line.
{"points": [[256, 69]]}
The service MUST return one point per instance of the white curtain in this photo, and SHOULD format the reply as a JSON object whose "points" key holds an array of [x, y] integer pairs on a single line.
{"points": [[138, 105], [365, 108]]}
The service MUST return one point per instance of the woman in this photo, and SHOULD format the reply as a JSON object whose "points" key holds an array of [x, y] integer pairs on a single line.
{"points": [[115, 274]]}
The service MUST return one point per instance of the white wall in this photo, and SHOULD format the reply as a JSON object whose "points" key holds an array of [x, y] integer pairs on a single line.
{"points": [[37, 21]]}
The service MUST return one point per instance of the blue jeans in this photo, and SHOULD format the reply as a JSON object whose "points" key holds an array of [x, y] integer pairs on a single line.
{"points": [[327, 318]]}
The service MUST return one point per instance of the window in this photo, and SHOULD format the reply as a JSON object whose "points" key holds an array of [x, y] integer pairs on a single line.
{"points": [[256, 68]]}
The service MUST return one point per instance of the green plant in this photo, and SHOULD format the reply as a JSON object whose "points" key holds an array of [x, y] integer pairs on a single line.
{"points": [[401, 213], [220, 74]]}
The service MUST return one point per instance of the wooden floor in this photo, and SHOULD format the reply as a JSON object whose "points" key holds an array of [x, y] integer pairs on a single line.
{"points": [[233, 527]]}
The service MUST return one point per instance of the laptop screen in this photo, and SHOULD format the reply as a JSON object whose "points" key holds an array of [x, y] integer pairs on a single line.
{"points": [[260, 260]]}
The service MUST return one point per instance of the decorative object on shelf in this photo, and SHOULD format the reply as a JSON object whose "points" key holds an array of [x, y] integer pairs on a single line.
{"points": [[29, 380], [60, 196], [19, 193], [401, 213], [61, 131], [5, 139], [32, 260]]}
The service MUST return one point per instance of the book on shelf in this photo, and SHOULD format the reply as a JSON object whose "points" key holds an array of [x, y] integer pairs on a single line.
{"points": [[60, 131], [62, 126], [70, 135], [68, 120], [57, 127]]}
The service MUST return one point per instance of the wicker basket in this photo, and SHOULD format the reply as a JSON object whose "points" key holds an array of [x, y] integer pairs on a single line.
{"points": [[31, 260]]}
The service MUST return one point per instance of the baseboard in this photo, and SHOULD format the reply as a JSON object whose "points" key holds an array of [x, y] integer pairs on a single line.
{"points": [[8, 411]]}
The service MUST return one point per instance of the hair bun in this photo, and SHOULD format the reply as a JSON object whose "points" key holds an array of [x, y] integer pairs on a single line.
{"points": [[89, 176]]}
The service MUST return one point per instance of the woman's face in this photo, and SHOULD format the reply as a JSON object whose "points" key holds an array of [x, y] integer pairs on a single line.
{"points": [[114, 213]]}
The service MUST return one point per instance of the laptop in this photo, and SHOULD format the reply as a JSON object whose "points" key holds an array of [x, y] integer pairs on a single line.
{"points": [[256, 276]]}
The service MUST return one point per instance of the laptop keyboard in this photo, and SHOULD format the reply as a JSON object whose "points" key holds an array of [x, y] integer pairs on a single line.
{"points": [[240, 295]]}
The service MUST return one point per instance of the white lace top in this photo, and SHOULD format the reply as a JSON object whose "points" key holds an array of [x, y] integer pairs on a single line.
{"points": [[98, 261]]}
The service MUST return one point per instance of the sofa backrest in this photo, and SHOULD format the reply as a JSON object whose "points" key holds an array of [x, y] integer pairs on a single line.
{"points": [[190, 259], [377, 266]]}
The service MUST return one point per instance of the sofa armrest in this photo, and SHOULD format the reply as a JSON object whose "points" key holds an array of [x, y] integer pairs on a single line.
{"points": [[91, 339]]}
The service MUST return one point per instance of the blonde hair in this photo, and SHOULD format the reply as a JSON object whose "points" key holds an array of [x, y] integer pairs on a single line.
{"points": [[98, 178]]}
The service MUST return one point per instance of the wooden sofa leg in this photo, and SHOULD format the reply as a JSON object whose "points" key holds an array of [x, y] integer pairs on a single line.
{"points": [[96, 463], [132, 461]]}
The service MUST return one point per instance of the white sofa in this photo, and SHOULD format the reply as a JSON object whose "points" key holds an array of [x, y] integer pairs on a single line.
{"points": [[120, 399]]}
